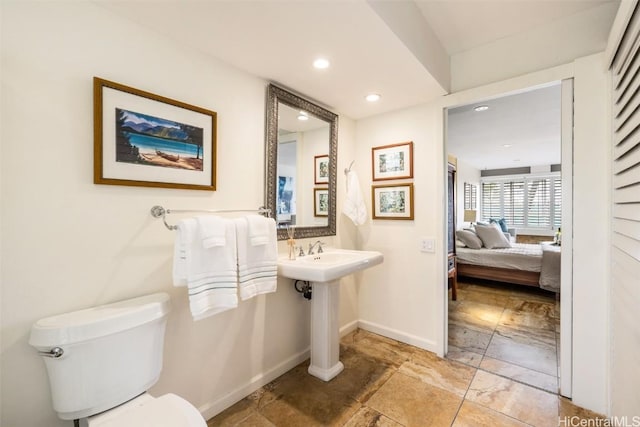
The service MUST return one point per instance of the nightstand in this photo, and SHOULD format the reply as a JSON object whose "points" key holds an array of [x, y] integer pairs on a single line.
{"points": [[452, 276]]}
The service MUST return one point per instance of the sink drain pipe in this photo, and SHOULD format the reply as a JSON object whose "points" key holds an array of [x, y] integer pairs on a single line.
{"points": [[304, 288]]}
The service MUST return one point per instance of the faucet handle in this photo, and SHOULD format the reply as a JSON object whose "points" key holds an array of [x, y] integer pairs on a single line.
{"points": [[312, 245]]}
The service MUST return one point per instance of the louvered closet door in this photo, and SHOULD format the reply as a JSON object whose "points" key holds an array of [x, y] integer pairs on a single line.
{"points": [[625, 253]]}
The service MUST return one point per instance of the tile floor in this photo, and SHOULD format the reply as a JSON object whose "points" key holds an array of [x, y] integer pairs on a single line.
{"points": [[390, 384], [509, 330]]}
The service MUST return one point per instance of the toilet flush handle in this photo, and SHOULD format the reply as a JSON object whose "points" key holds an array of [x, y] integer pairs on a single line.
{"points": [[55, 352]]}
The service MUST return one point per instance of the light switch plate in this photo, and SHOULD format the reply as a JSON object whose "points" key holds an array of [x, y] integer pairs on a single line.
{"points": [[428, 244]]}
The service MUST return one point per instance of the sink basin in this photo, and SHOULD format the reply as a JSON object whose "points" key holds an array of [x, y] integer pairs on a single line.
{"points": [[329, 265]]}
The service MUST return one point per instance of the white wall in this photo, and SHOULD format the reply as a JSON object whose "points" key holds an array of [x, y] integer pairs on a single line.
{"points": [[406, 299], [399, 300], [347, 232], [74, 244]]}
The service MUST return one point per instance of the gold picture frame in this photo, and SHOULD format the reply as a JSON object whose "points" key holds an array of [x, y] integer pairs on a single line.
{"points": [[321, 169], [321, 202], [393, 161], [392, 201], [147, 140]]}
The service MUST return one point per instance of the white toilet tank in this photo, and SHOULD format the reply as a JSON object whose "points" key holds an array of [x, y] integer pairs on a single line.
{"points": [[110, 353]]}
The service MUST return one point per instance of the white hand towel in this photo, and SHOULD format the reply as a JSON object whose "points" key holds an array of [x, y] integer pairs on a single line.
{"points": [[258, 229], [211, 274], [257, 264], [212, 230], [354, 206]]}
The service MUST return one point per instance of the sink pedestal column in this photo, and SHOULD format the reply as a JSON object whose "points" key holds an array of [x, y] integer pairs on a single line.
{"points": [[325, 336]]}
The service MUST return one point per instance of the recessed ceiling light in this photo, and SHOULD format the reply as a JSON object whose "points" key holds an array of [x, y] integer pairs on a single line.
{"points": [[506, 145], [321, 63], [481, 108], [303, 116], [373, 97]]}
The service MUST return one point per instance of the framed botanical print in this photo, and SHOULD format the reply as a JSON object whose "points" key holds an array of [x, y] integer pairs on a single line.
{"points": [[392, 161], [321, 202], [321, 169], [393, 201]]}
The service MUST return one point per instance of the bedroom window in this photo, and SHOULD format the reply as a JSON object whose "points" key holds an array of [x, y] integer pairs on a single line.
{"points": [[532, 202], [470, 196]]}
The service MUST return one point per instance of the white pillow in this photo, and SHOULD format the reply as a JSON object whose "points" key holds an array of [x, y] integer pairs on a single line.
{"points": [[492, 236], [469, 238]]}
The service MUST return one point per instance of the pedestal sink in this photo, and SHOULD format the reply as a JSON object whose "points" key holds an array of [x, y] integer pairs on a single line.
{"points": [[324, 271]]}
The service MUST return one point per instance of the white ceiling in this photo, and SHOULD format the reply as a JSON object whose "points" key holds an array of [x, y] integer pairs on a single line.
{"points": [[517, 130], [465, 24], [278, 40], [398, 48]]}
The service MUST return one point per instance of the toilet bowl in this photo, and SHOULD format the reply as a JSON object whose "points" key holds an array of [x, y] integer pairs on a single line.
{"points": [[102, 360], [168, 410]]}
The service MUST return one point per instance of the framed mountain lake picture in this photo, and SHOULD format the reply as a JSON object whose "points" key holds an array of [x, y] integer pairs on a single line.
{"points": [[147, 140]]}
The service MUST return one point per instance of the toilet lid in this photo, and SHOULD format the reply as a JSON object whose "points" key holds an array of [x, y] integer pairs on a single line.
{"points": [[168, 410]]}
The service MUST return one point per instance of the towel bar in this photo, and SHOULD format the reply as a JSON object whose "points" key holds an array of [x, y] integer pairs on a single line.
{"points": [[160, 212]]}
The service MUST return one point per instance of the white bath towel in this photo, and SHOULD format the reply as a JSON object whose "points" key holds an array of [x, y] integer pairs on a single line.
{"points": [[258, 229], [257, 264], [354, 206], [212, 230], [211, 274]]}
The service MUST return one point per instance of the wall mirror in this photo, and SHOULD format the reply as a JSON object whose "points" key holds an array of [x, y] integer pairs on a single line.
{"points": [[301, 157]]}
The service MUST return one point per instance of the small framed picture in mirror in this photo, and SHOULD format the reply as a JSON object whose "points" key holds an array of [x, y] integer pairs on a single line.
{"points": [[321, 202], [321, 169]]}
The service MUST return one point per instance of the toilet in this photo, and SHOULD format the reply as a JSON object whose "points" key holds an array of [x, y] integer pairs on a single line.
{"points": [[102, 360]]}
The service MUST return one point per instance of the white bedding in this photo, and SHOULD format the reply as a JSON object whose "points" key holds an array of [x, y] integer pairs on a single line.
{"points": [[550, 272], [521, 256]]}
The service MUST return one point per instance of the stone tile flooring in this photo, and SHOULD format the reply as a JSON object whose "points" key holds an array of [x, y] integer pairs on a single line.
{"points": [[390, 384], [509, 330]]}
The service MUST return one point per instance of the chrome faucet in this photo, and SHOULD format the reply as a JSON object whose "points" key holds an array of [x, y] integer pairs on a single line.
{"points": [[313, 245]]}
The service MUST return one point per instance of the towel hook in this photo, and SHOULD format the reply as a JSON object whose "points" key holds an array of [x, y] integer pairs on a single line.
{"points": [[347, 170]]}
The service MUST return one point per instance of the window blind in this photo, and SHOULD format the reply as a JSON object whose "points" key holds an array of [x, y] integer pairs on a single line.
{"points": [[491, 200], [625, 250], [534, 202], [470, 196]]}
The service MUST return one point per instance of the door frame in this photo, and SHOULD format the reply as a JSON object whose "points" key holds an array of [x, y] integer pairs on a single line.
{"points": [[501, 89]]}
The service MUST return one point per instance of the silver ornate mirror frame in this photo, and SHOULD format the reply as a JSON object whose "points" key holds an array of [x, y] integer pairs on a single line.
{"points": [[276, 95]]}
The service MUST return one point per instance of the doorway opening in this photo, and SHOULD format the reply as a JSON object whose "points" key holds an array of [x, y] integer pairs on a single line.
{"points": [[509, 206]]}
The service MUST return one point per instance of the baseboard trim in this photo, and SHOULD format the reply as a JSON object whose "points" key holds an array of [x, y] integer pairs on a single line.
{"points": [[428, 345], [209, 410], [348, 328]]}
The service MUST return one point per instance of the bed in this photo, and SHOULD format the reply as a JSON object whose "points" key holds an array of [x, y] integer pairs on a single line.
{"points": [[523, 264]]}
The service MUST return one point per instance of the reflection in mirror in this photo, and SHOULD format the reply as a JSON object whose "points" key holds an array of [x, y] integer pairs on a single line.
{"points": [[301, 165], [303, 142]]}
